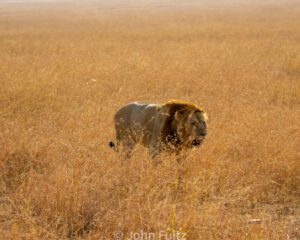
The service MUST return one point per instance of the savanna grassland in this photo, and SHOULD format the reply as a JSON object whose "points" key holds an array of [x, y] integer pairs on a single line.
{"points": [[66, 68]]}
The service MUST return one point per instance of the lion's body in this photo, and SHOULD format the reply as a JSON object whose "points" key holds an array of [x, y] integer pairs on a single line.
{"points": [[136, 121], [155, 126]]}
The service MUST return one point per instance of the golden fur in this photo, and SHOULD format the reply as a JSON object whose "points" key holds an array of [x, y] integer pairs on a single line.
{"points": [[178, 104]]}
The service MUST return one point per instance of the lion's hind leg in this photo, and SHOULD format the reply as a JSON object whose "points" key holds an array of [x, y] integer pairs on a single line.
{"points": [[127, 147], [126, 141]]}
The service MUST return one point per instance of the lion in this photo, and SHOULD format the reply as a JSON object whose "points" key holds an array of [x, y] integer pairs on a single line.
{"points": [[173, 127]]}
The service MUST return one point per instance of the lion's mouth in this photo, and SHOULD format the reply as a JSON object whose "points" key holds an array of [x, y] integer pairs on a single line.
{"points": [[196, 142]]}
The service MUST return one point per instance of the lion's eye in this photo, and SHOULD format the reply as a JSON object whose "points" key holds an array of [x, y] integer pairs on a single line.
{"points": [[194, 123]]}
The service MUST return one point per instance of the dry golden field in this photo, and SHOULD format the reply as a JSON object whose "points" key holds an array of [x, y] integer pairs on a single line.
{"points": [[65, 68]]}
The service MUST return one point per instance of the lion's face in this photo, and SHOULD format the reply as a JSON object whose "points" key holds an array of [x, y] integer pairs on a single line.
{"points": [[191, 127]]}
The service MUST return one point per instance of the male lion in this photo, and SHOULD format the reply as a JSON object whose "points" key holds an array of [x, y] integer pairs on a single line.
{"points": [[173, 126]]}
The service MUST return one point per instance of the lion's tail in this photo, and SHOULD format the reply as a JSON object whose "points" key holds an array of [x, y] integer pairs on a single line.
{"points": [[113, 146]]}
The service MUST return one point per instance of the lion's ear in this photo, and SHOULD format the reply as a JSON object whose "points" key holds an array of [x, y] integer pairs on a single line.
{"points": [[205, 116]]}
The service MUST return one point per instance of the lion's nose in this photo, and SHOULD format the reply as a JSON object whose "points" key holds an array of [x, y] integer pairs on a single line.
{"points": [[203, 133]]}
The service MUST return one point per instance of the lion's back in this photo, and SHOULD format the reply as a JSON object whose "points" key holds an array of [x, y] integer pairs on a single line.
{"points": [[136, 118], [136, 112]]}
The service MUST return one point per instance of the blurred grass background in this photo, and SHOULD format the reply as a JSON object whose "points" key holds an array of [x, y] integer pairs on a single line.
{"points": [[66, 68]]}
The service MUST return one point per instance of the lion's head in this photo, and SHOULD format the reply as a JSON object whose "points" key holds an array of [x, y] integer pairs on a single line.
{"points": [[189, 121]]}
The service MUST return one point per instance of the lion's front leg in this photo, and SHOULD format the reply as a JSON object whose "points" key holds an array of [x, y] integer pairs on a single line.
{"points": [[155, 143], [180, 158], [154, 151]]}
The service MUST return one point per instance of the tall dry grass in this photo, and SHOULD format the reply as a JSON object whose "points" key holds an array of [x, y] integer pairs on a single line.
{"points": [[66, 69]]}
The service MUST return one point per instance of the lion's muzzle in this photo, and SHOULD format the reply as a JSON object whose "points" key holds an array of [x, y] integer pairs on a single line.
{"points": [[196, 142], [199, 140]]}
